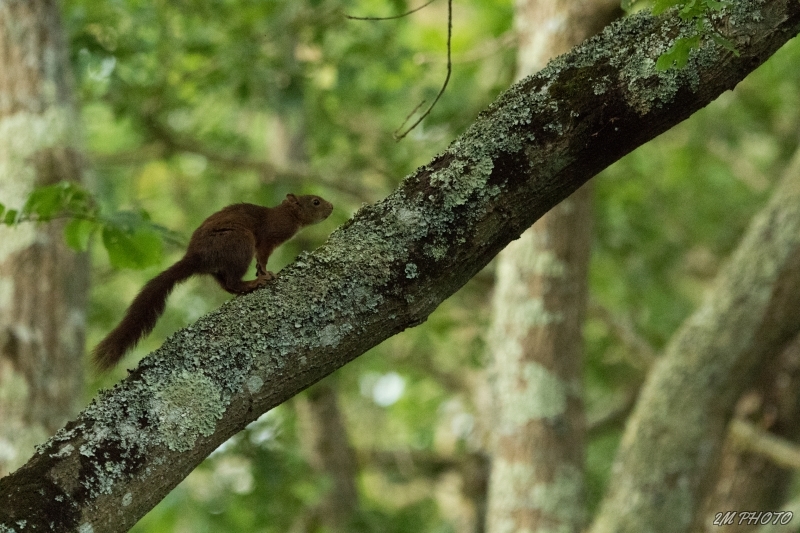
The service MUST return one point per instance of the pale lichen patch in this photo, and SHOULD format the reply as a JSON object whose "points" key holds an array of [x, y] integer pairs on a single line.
{"points": [[563, 496], [254, 384], [64, 451], [187, 407], [510, 476], [535, 393]]}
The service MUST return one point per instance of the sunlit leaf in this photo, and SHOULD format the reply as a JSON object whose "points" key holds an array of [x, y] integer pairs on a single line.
{"points": [[45, 202], [77, 233], [678, 54], [138, 248], [659, 6], [10, 217]]}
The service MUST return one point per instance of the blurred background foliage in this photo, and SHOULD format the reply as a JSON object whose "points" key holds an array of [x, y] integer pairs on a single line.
{"points": [[190, 105]]}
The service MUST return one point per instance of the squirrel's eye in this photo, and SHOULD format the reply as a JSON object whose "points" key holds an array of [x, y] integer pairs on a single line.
{"points": [[316, 202]]}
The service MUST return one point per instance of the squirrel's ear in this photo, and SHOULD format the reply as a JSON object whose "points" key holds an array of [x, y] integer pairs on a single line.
{"points": [[292, 198]]}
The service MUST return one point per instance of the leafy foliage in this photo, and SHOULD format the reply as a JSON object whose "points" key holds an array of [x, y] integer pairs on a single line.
{"points": [[698, 11], [678, 54], [52, 200], [130, 239], [691, 9]]}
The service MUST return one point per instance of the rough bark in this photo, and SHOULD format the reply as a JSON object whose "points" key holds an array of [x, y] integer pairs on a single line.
{"points": [[538, 422], [383, 271], [672, 442], [43, 284], [747, 479], [538, 311]]}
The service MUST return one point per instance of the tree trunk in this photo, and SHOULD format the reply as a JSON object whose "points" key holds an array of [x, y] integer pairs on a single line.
{"points": [[538, 311], [673, 440], [43, 284], [395, 261], [748, 480], [324, 439]]}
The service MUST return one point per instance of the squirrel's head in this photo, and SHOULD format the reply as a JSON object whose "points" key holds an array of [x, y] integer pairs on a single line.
{"points": [[309, 208]]}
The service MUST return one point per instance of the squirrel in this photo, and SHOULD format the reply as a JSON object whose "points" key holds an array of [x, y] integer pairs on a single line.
{"points": [[222, 246]]}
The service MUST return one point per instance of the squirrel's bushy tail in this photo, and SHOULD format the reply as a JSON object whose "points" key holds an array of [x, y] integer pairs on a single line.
{"points": [[141, 316]]}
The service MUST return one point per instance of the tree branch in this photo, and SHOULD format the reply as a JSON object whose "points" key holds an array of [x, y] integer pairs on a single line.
{"points": [[382, 272], [674, 437], [170, 141], [780, 451], [640, 353]]}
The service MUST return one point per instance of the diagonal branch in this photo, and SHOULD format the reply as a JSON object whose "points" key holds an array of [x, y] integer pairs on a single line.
{"points": [[171, 141], [779, 450], [674, 437], [382, 272]]}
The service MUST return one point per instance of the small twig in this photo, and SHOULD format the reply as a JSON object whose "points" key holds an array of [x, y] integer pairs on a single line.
{"points": [[167, 235], [408, 117], [641, 352], [446, 79], [780, 451], [426, 4], [449, 65]]}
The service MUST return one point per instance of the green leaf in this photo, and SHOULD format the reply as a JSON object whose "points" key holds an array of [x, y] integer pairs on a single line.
{"points": [[45, 202], [138, 248], [127, 220], [659, 6], [78, 200], [692, 10], [717, 6], [2, 209], [63, 197], [77, 233], [678, 54], [10, 217]]}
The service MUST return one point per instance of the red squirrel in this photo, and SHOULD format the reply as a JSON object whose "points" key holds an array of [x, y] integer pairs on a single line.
{"points": [[222, 246]]}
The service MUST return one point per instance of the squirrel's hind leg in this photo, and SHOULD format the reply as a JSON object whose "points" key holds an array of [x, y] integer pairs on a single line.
{"points": [[232, 281], [240, 286]]}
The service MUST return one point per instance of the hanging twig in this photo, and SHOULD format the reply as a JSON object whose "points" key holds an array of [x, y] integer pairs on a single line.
{"points": [[446, 79], [392, 17], [398, 137], [408, 117]]}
